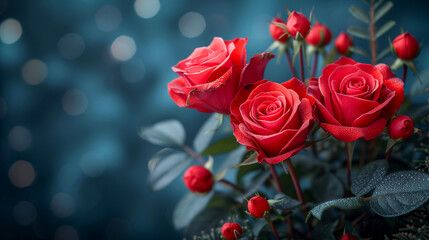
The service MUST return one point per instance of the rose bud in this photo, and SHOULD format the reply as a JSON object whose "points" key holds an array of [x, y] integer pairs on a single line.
{"points": [[348, 236], [198, 179], [232, 231], [406, 46], [278, 33], [257, 206], [355, 100], [297, 23], [401, 127], [315, 35], [211, 76], [343, 43]]}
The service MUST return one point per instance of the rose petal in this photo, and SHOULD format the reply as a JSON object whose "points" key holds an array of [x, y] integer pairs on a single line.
{"points": [[254, 71], [350, 134]]}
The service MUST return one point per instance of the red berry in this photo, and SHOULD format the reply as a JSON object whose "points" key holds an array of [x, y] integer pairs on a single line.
{"points": [[315, 35], [257, 206], [401, 127], [297, 23], [406, 46], [343, 43], [348, 236], [278, 33], [232, 231], [198, 179]]}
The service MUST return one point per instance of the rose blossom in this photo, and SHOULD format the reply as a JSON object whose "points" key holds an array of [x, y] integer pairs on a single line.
{"points": [[232, 231], [278, 33], [198, 179], [297, 23], [401, 127], [211, 76], [314, 37], [343, 43], [273, 119], [354, 100], [257, 206], [406, 46], [349, 236]]}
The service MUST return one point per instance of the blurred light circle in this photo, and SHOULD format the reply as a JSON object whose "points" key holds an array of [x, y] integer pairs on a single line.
{"points": [[34, 72], [71, 46], [10, 31], [66, 232], [3, 108], [108, 18], [123, 48], [62, 205], [147, 8], [74, 102], [21, 174], [24, 213], [133, 71], [19, 138], [192, 24], [92, 164]]}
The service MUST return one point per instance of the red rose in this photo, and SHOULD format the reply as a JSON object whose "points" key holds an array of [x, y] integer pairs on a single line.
{"points": [[354, 100], [315, 35], [297, 23], [211, 76], [401, 127], [348, 236], [257, 206], [343, 43], [198, 179], [278, 33], [273, 119], [406, 46], [232, 231]]}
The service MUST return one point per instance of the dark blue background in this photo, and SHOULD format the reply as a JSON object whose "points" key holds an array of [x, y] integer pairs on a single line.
{"points": [[91, 169]]}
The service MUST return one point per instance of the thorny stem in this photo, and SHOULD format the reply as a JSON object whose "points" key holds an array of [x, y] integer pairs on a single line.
{"points": [[301, 64], [373, 40], [289, 61], [313, 71], [404, 73], [201, 160], [296, 185], [276, 178], [389, 153]]}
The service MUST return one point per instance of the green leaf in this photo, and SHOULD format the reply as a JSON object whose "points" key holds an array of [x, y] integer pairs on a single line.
{"points": [[233, 158], [359, 32], [368, 177], [207, 219], [224, 145], [377, 4], [189, 207], [383, 53], [250, 160], [282, 202], [207, 131], [385, 28], [323, 231], [400, 193], [253, 184], [326, 187], [244, 170], [366, 2], [166, 133], [383, 10], [359, 51], [359, 13], [397, 64], [343, 203], [412, 66], [166, 166], [257, 225]]}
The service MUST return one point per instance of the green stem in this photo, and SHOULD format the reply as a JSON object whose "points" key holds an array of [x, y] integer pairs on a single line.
{"points": [[349, 151], [295, 182], [289, 61], [373, 40], [301, 64], [404, 73], [273, 228], [314, 70], [275, 178]]}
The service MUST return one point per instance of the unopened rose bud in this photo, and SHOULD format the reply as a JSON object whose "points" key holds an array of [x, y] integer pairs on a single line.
{"points": [[232, 231], [278, 33], [401, 127], [257, 206], [198, 179], [348, 236], [406, 46], [343, 43], [297, 23], [316, 33]]}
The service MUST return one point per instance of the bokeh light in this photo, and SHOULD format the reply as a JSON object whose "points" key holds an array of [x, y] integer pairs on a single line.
{"points": [[66, 232], [10, 31], [123, 48], [19, 138], [34, 72], [63, 205], [133, 70], [192, 24], [71, 46], [92, 164], [21, 174], [24, 213], [108, 18], [74, 102], [147, 8]]}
